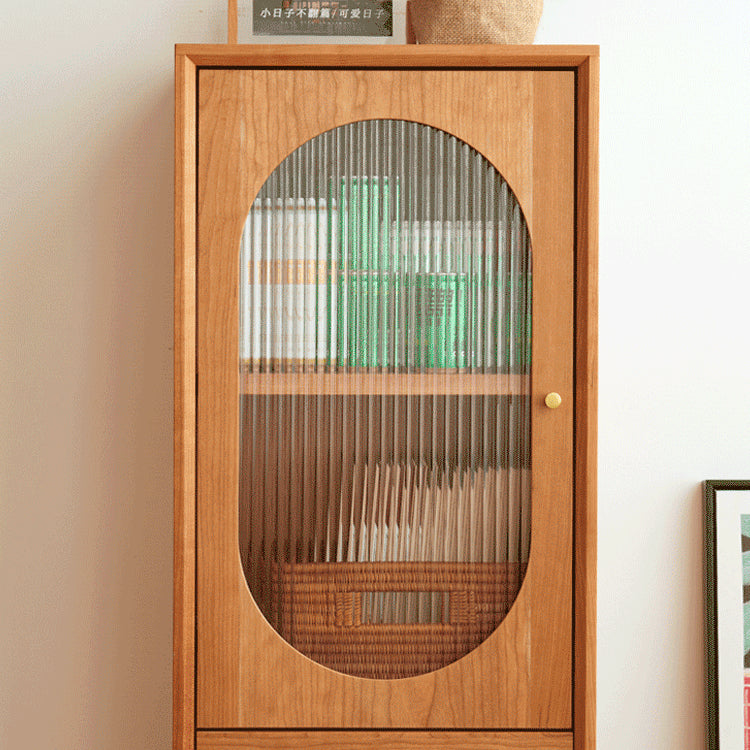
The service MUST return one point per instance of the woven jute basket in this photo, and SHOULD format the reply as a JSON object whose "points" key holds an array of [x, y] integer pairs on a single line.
{"points": [[474, 21], [320, 613]]}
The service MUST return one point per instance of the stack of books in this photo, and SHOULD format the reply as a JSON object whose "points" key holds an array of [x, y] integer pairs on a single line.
{"points": [[287, 286], [346, 283]]}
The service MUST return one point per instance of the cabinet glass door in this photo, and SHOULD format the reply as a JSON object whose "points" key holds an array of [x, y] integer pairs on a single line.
{"points": [[384, 525]]}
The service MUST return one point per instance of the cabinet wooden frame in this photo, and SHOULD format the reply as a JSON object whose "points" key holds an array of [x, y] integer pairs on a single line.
{"points": [[582, 62]]}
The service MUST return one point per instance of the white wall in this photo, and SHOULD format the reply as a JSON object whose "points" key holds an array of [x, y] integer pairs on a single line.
{"points": [[85, 359]]}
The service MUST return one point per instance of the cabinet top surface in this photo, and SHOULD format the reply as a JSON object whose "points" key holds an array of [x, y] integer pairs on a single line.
{"points": [[429, 55]]}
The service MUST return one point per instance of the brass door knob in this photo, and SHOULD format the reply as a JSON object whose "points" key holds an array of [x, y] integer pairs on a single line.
{"points": [[553, 400]]}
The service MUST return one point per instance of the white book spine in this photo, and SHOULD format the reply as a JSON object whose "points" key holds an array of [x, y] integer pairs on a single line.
{"points": [[288, 283]]}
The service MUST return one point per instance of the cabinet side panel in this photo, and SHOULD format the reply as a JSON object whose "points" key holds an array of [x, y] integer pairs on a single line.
{"points": [[183, 666], [586, 403]]}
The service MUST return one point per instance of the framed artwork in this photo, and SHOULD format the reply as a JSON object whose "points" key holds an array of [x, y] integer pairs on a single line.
{"points": [[727, 549]]}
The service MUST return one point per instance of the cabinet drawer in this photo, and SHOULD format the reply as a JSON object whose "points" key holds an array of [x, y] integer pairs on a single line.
{"points": [[282, 740]]}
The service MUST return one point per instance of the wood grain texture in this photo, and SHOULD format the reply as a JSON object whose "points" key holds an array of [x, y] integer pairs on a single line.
{"points": [[587, 148], [232, 21], [183, 670], [553, 254], [302, 740], [249, 121], [219, 197], [390, 56], [410, 35]]}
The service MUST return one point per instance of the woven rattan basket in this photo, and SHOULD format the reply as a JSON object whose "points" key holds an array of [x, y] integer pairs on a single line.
{"points": [[322, 613], [473, 21]]}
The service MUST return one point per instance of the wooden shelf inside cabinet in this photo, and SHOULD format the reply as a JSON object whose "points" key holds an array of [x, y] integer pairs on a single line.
{"points": [[384, 384]]}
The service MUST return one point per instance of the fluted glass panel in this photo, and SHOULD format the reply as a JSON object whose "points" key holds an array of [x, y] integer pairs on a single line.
{"points": [[385, 359]]}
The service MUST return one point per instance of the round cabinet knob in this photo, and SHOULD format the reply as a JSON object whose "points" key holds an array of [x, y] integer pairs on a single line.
{"points": [[553, 400]]}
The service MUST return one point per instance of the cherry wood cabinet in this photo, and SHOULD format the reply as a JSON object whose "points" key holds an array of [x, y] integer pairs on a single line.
{"points": [[239, 682]]}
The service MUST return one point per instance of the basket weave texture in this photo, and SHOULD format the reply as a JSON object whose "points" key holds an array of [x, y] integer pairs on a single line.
{"points": [[475, 21], [320, 613]]}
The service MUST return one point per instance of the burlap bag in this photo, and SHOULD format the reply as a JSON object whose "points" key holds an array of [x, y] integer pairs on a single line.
{"points": [[475, 21]]}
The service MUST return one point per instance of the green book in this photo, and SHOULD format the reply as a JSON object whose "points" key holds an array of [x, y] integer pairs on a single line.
{"points": [[439, 295], [516, 330], [365, 324]]}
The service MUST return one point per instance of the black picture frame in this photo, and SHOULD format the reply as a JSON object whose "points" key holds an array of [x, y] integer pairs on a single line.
{"points": [[715, 563]]}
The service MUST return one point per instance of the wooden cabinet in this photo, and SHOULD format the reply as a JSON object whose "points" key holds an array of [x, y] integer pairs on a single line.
{"points": [[243, 676]]}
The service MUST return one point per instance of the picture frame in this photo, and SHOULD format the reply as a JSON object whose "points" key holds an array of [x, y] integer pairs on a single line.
{"points": [[727, 594]]}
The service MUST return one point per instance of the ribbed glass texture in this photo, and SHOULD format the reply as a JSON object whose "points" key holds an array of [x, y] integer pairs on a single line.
{"points": [[385, 358]]}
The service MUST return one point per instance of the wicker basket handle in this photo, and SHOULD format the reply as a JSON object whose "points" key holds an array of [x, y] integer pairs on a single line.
{"points": [[348, 605]]}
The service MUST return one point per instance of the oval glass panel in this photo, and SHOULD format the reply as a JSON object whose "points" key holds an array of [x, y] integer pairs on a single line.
{"points": [[385, 359]]}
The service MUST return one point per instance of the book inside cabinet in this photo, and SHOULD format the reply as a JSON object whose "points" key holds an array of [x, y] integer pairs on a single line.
{"points": [[384, 379]]}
